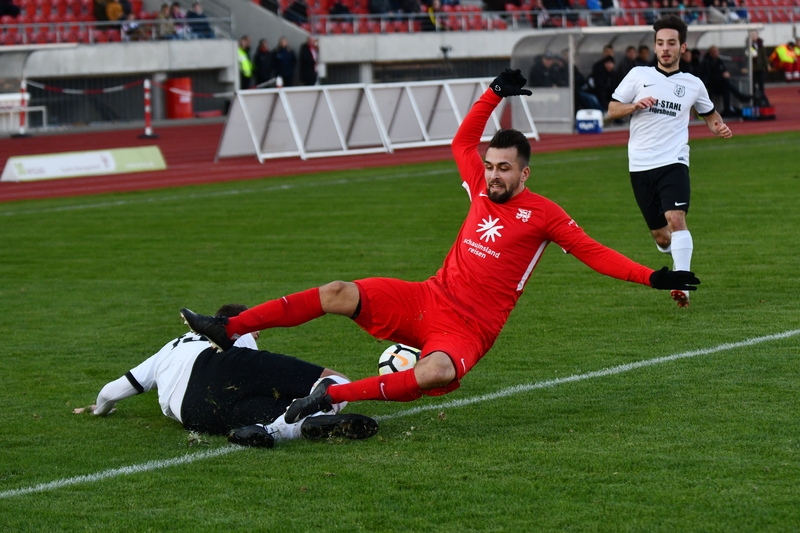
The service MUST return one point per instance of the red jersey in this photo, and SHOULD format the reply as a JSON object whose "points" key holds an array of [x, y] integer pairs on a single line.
{"points": [[499, 245]]}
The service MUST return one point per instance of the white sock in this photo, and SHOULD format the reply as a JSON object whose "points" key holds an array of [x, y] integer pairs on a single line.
{"points": [[666, 250], [682, 247]]}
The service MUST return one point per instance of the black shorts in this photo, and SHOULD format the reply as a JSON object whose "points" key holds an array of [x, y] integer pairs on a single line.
{"points": [[241, 386], [660, 190]]}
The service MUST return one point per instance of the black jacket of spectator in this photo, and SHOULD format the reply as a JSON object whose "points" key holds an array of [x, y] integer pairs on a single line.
{"points": [[308, 65], [297, 12], [262, 65]]}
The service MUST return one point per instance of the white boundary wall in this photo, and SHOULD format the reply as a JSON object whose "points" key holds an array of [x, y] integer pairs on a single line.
{"points": [[330, 120]]}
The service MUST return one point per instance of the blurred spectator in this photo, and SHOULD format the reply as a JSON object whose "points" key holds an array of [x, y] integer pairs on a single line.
{"points": [[598, 69], [433, 22], [165, 28], [245, 65], [378, 7], [718, 82], [603, 81], [651, 13], [308, 61], [584, 97], [262, 64], [270, 5], [178, 17], [284, 62], [100, 10], [339, 11], [131, 31], [760, 66], [198, 23], [626, 63], [297, 12], [7, 7], [113, 11], [785, 58], [547, 71], [643, 58], [690, 62]]}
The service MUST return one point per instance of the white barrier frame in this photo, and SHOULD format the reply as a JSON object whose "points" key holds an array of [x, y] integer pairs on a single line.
{"points": [[352, 119]]}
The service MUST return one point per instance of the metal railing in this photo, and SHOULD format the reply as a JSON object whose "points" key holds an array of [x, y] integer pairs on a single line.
{"points": [[470, 20], [92, 32]]}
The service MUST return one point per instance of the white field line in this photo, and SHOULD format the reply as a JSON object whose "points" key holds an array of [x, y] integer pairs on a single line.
{"points": [[123, 471], [503, 393]]}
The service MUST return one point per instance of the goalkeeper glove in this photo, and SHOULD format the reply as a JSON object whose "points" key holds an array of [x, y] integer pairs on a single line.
{"points": [[666, 279], [509, 83]]}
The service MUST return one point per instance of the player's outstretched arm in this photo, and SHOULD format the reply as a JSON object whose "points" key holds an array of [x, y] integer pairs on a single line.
{"points": [[717, 126], [666, 279], [117, 390], [510, 83], [468, 137]]}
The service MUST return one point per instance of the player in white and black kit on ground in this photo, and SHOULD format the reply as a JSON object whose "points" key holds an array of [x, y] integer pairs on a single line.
{"points": [[660, 100], [242, 393]]}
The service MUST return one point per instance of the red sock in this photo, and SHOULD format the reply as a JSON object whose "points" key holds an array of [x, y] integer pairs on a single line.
{"points": [[397, 387], [292, 310]]}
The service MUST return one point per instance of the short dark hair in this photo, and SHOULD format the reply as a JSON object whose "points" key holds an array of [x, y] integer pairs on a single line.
{"points": [[230, 310], [672, 22], [510, 138]]}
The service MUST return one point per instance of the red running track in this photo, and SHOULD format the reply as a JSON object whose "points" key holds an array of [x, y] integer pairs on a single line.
{"points": [[189, 152]]}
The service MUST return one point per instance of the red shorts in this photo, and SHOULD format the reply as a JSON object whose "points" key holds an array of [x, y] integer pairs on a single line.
{"points": [[413, 313]]}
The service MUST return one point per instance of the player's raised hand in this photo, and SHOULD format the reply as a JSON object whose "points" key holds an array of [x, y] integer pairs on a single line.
{"points": [[666, 279], [509, 83], [721, 129]]}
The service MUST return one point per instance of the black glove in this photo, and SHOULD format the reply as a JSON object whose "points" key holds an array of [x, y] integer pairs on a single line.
{"points": [[666, 279], [509, 83]]}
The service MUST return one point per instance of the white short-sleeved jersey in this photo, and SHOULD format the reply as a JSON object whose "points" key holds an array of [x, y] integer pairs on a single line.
{"points": [[169, 369], [660, 135]]}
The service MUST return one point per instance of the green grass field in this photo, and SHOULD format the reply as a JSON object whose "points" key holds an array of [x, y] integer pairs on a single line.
{"points": [[536, 439]]}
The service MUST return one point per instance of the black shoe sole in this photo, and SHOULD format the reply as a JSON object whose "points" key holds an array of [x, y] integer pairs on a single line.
{"points": [[346, 426], [248, 437]]}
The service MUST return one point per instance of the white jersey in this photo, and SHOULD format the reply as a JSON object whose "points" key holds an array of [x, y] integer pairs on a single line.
{"points": [[168, 371], [660, 135]]}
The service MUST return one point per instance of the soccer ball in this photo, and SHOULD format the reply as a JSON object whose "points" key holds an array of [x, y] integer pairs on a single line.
{"points": [[396, 358]]}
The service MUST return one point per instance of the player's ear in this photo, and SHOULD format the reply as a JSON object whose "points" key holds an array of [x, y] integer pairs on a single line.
{"points": [[683, 47], [526, 172]]}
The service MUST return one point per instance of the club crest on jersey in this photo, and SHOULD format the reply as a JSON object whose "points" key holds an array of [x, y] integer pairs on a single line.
{"points": [[524, 214], [490, 229], [680, 90]]}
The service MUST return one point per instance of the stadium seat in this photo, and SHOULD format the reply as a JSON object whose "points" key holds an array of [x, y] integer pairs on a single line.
{"points": [[11, 38], [43, 7], [27, 8]]}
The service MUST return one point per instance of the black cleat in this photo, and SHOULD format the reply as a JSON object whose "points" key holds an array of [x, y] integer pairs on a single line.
{"points": [[212, 327], [347, 426], [317, 401], [255, 436]]}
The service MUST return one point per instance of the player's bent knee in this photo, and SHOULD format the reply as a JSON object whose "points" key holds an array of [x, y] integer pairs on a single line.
{"points": [[339, 297], [434, 371]]}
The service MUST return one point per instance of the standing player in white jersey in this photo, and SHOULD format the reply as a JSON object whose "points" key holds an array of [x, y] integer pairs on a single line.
{"points": [[455, 316], [661, 98]]}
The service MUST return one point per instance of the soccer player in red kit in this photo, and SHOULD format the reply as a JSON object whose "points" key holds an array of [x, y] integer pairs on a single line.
{"points": [[455, 316]]}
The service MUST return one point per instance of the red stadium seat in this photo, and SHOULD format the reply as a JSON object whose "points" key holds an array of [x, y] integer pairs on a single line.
{"points": [[43, 7], [10, 38], [98, 36]]}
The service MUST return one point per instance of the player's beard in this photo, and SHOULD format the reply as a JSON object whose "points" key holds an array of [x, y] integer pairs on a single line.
{"points": [[666, 66], [500, 197]]}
